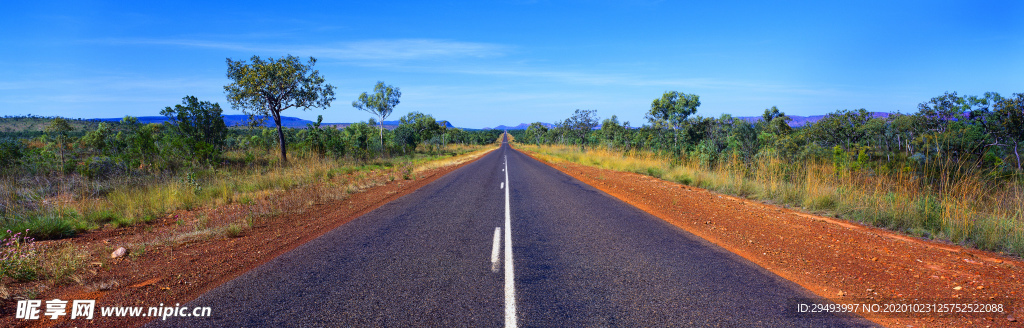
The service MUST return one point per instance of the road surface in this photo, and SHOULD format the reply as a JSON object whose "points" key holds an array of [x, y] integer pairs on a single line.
{"points": [[439, 257]]}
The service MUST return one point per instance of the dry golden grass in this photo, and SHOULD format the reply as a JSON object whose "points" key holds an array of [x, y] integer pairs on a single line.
{"points": [[473, 153], [130, 201], [963, 207]]}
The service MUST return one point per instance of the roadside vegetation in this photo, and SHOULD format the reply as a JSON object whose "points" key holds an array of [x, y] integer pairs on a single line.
{"points": [[60, 177], [948, 172]]}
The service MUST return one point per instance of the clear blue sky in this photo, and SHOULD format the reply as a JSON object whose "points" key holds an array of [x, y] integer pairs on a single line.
{"points": [[484, 64]]}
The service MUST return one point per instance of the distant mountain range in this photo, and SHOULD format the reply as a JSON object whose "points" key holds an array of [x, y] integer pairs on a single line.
{"points": [[805, 120], [797, 121], [242, 120], [521, 126]]}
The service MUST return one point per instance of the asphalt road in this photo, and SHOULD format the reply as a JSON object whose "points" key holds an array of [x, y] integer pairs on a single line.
{"points": [[580, 259]]}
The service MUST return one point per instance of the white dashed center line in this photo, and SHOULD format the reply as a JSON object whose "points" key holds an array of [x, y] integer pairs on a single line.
{"points": [[510, 288], [496, 246]]}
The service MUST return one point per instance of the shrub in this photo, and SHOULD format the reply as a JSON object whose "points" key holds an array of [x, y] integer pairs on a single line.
{"points": [[18, 257]]}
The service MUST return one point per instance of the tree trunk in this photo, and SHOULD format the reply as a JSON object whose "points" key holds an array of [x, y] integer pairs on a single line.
{"points": [[1015, 153], [280, 137], [675, 131], [381, 123], [60, 148]]}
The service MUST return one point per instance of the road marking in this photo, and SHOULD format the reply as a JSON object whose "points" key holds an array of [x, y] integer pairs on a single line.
{"points": [[502, 186], [510, 288], [494, 250]]}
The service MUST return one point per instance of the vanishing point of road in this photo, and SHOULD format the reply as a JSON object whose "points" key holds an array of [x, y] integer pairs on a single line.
{"points": [[506, 241]]}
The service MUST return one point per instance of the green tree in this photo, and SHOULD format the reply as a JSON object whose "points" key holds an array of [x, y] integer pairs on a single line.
{"points": [[315, 137], [416, 128], [580, 123], [11, 152], [672, 109], [424, 125], [381, 103], [1009, 115], [139, 142], [265, 88], [535, 133], [61, 130], [842, 127], [200, 125], [357, 138], [612, 132], [773, 130], [98, 139]]}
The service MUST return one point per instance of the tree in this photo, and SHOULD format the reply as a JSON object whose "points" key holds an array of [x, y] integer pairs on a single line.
{"points": [[580, 123], [11, 152], [415, 128], [535, 132], [97, 139], [265, 88], [424, 125], [672, 110], [1009, 114], [380, 103], [941, 110], [357, 138], [611, 131], [61, 130], [200, 125], [774, 121], [140, 142], [842, 127]]}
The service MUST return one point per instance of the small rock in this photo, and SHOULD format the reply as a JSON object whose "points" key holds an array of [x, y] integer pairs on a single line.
{"points": [[1011, 319], [841, 293], [120, 252], [957, 288], [870, 290]]}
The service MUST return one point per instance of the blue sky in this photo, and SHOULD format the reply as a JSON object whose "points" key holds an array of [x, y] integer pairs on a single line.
{"points": [[481, 64]]}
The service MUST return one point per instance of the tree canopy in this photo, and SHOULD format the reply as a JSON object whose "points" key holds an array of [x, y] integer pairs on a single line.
{"points": [[199, 125], [672, 109], [381, 103], [267, 87], [580, 123]]}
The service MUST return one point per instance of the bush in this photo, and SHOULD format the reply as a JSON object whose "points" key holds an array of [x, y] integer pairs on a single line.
{"points": [[99, 167], [18, 257], [654, 172], [11, 151]]}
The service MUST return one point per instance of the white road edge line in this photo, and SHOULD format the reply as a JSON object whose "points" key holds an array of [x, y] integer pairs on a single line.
{"points": [[510, 288], [494, 250]]}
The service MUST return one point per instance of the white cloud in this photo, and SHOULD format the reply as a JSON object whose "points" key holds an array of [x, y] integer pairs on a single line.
{"points": [[367, 51]]}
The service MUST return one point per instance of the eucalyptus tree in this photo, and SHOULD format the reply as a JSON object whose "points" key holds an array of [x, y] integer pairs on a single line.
{"points": [[61, 130], [268, 87], [381, 103], [671, 110], [535, 133], [1009, 114], [580, 123]]}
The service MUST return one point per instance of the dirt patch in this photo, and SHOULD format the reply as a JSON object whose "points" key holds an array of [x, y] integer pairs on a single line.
{"points": [[176, 258], [839, 260]]}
